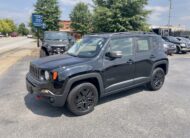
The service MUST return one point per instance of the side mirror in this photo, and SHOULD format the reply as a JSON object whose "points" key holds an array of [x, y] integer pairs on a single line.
{"points": [[114, 54]]}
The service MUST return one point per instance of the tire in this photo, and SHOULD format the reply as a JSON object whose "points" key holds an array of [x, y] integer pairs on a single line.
{"points": [[43, 53], [82, 99], [178, 50], [157, 79], [183, 52]]}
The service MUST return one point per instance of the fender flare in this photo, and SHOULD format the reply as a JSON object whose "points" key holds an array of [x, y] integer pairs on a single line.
{"points": [[72, 80], [165, 62]]}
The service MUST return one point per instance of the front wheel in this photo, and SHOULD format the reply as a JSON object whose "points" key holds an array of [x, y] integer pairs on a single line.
{"points": [[82, 99], [178, 50], [157, 79], [43, 53]]}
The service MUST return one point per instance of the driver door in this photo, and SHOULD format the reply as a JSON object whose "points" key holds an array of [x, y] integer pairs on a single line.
{"points": [[119, 73]]}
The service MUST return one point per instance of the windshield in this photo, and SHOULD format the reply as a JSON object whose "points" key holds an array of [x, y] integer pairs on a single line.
{"points": [[183, 39], [172, 39], [87, 47], [55, 36]]}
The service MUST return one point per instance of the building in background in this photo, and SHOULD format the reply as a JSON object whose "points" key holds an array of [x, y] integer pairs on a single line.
{"points": [[171, 30], [65, 25]]}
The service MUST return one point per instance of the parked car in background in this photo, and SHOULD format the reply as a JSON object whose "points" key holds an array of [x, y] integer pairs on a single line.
{"points": [[184, 40], [97, 66], [14, 34], [30, 36], [1, 35], [170, 48], [55, 43], [181, 47]]}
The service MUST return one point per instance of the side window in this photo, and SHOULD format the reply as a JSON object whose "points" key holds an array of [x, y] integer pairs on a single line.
{"points": [[143, 44], [124, 44], [157, 42]]}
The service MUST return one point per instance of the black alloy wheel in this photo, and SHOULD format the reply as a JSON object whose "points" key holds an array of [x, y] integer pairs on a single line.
{"points": [[157, 79], [82, 99]]}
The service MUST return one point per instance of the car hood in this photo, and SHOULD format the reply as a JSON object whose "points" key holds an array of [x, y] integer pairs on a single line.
{"points": [[56, 61], [56, 43]]}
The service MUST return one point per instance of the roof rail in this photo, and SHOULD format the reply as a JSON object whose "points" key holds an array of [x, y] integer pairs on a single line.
{"points": [[117, 33], [133, 32]]}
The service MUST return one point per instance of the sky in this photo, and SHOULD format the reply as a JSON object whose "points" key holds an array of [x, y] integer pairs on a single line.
{"points": [[20, 11]]}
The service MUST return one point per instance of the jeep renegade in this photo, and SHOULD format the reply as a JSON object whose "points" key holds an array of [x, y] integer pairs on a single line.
{"points": [[55, 43], [97, 66]]}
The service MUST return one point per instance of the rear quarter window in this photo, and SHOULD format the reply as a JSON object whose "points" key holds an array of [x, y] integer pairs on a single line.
{"points": [[143, 44]]}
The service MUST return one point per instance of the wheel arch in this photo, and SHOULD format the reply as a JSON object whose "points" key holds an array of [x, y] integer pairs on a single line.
{"points": [[162, 64], [94, 78], [45, 49]]}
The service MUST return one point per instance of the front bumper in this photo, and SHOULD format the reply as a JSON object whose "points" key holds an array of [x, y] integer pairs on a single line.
{"points": [[185, 49], [171, 51], [43, 89]]}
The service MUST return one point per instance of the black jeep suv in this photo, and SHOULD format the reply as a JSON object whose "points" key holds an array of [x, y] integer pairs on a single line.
{"points": [[55, 43], [97, 66]]}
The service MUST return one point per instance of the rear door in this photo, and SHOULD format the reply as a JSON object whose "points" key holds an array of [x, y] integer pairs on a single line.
{"points": [[143, 59]]}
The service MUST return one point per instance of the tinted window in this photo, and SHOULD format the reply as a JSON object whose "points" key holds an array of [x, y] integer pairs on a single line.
{"points": [[124, 44], [143, 44], [157, 42], [55, 36]]}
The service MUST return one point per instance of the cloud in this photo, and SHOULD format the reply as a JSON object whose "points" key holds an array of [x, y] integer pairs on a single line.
{"points": [[17, 16], [185, 18], [157, 12], [74, 2]]}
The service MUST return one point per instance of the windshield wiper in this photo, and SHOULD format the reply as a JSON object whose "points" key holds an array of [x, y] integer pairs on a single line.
{"points": [[72, 54]]}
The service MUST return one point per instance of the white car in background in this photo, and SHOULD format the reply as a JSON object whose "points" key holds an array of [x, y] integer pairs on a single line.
{"points": [[29, 36], [1, 35]]}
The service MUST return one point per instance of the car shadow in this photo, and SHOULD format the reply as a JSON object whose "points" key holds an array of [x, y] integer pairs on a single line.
{"points": [[43, 108]]}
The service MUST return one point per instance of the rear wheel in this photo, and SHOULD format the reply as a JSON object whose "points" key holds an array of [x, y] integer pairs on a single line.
{"points": [[82, 99], [157, 79], [178, 50], [43, 53]]}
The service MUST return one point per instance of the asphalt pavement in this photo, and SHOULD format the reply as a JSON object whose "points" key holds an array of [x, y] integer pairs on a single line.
{"points": [[137, 113]]}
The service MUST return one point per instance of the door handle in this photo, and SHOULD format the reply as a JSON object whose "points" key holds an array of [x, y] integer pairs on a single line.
{"points": [[130, 61], [152, 56]]}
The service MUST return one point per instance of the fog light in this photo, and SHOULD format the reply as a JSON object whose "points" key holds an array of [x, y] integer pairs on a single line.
{"points": [[45, 91], [52, 100]]}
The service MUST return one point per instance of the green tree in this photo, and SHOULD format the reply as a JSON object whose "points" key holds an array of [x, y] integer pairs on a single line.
{"points": [[81, 18], [120, 15], [11, 25], [1, 26], [51, 13], [22, 29], [4, 27]]}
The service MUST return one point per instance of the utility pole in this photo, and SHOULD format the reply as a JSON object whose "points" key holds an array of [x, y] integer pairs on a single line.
{"points": [[170, 10]]}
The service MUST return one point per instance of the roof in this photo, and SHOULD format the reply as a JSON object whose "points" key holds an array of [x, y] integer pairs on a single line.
{"points": [[123, 33]]}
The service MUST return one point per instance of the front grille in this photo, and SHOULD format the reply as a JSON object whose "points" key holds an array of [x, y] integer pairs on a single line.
{"points": [[58, 50], [35, 72]]}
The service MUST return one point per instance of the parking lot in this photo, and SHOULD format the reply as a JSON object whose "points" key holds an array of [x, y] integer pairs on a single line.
{"points": [[135, 113]]}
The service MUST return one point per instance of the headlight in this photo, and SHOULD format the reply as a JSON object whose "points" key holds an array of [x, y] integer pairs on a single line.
{"points": [[182, 45], [165, 46], [46, 75]]}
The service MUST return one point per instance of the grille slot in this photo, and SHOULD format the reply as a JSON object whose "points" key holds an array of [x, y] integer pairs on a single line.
{"points": [[34, 71]]}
